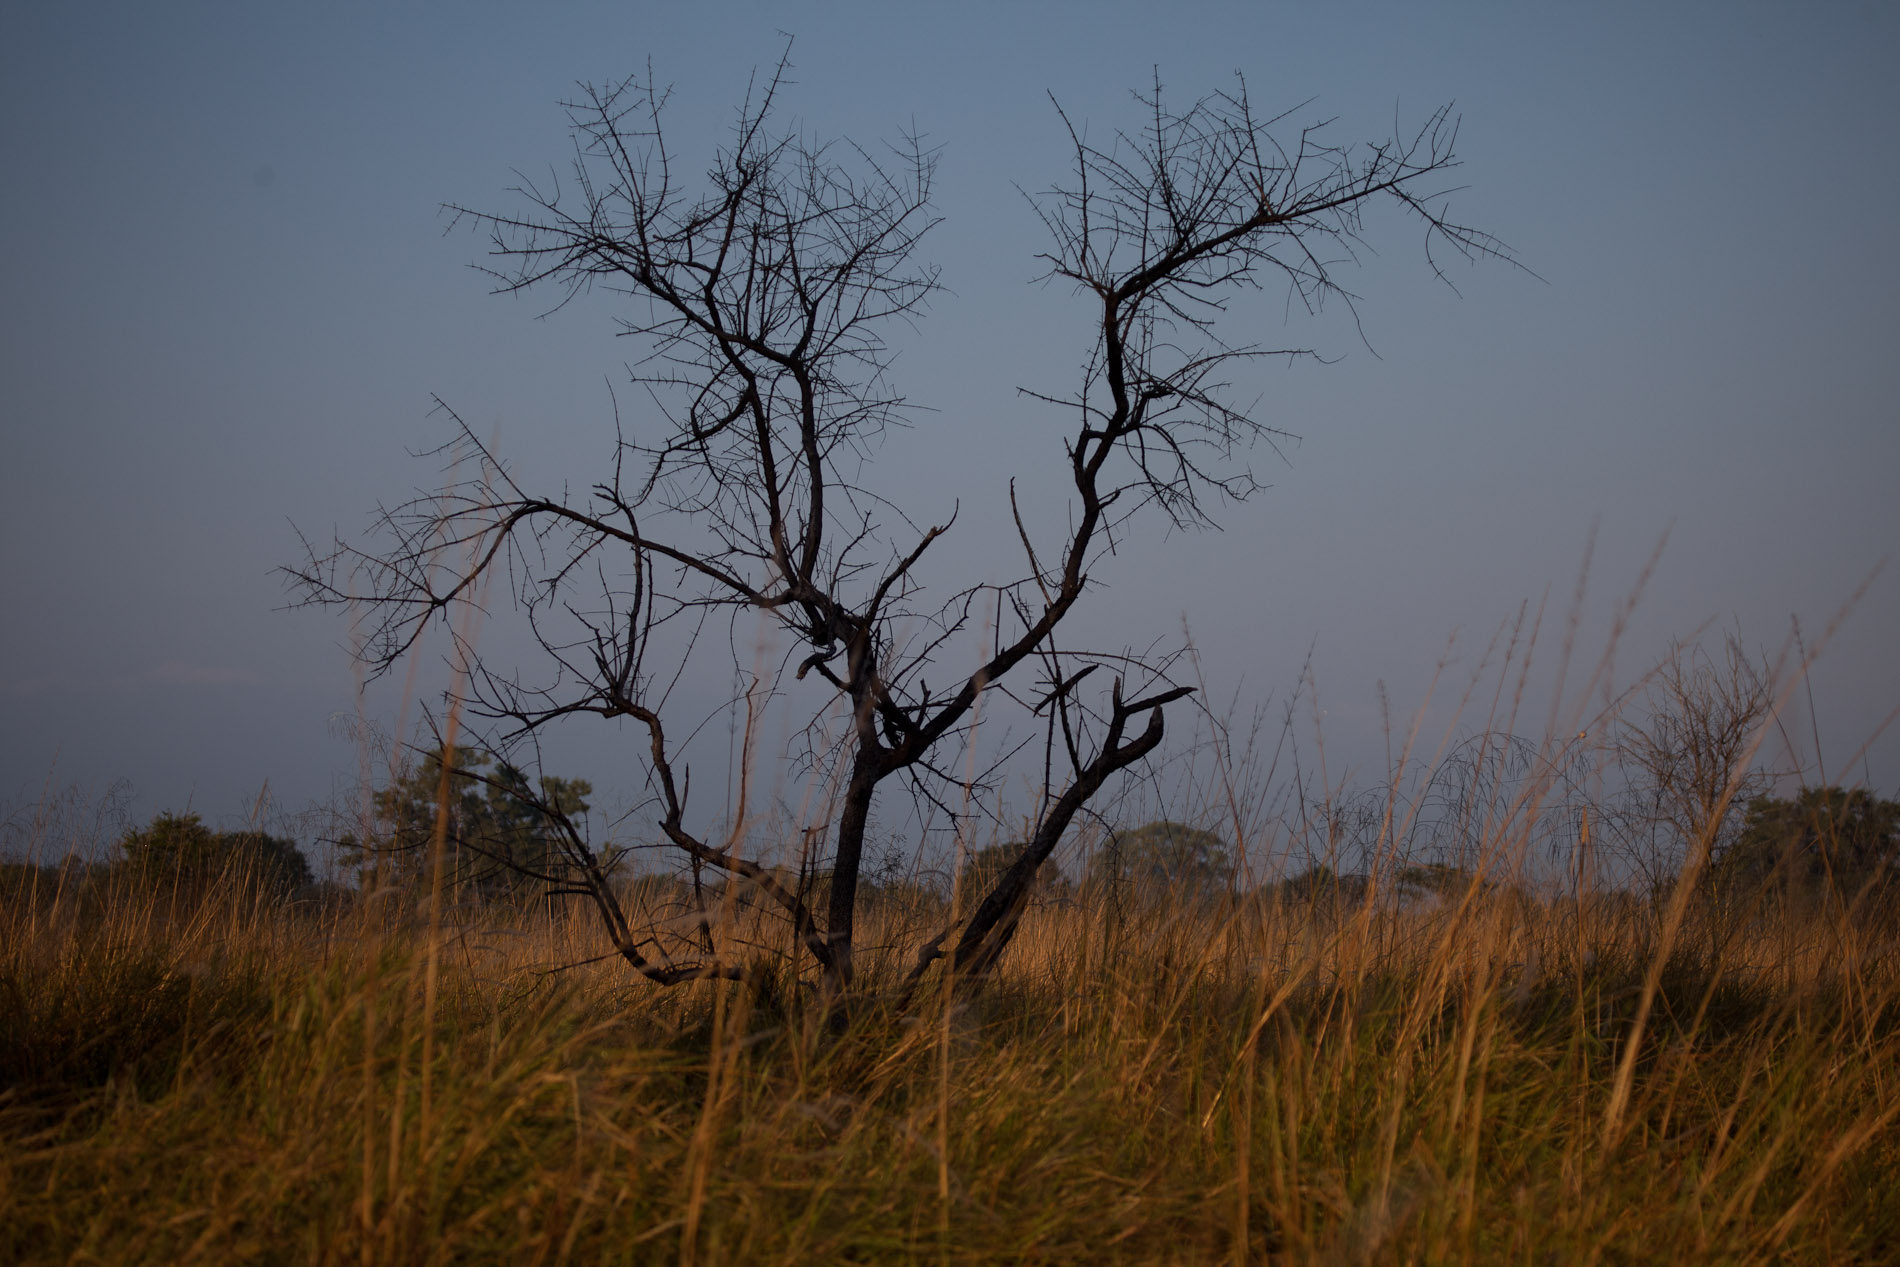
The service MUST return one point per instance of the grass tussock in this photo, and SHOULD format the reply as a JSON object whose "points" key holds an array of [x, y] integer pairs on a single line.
{"points": [[224, 1080]]}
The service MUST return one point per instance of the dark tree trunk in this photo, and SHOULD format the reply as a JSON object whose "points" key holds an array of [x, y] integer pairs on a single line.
{"points": [[847, 862]]}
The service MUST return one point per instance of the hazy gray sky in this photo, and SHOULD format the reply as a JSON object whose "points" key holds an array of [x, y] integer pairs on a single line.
{"points": [[230, 295]]}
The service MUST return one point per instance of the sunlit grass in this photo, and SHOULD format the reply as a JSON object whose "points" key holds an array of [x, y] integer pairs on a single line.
{"points": [[230, 1081]]}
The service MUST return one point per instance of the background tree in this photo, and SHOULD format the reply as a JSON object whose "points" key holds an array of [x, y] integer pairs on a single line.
{"points": [[1418, 881], [1823, 839], [500, 836], [1319, 884], [1164, 857], [1689, 741], [178, 849], [985, 867], [762, 298]]}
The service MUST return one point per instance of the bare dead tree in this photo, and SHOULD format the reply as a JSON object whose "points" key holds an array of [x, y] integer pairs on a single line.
{"points": [[762, 295], [1690, 740]]}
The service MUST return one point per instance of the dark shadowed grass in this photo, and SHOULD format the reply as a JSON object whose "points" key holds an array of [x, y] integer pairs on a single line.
{"points": [[226, 1082]]}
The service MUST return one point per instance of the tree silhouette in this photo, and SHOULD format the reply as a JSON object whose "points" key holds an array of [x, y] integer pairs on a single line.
{"points": [[762, 298]]}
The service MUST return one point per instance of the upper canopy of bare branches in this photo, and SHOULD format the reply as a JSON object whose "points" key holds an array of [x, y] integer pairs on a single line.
{"points": [[1162, 226], [762, 298]]}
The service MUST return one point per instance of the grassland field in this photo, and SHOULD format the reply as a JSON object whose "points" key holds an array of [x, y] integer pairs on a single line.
{"points": [[1490, 1078]]}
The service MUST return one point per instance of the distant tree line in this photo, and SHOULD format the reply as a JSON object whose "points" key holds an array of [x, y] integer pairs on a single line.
{"points": [[179, 855], [501, 834]]}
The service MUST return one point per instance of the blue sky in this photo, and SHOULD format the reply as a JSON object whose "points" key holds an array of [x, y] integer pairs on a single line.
{"points": [[231, 295]]}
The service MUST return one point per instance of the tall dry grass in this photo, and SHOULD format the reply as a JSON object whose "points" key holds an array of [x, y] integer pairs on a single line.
{"points": [[206, 1078]]}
